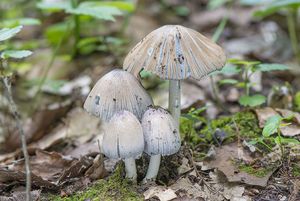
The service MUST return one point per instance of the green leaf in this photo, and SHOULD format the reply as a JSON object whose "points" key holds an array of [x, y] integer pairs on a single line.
{"points": [[243, 62], [16, 54], [214, 4], [254, 2], [297, 101], [145, 74], [252, 101], [275, 6], [20, 21], [228, 81], [284, 140], [7, 33], [272, 125], [57, 6], [126, 6], [99, 12], [271, 67], [228, 69]]}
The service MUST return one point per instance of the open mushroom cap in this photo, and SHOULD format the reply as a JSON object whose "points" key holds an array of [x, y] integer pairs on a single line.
{"points": [[123, 136], [160, 132], [116, 91], [175, 52]]}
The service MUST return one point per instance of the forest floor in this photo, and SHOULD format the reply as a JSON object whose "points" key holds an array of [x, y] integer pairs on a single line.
{"points": [[224, 154]]}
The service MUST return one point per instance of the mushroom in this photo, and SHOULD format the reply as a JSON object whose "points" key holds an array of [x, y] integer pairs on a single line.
{"points": [[161, 138], [116, 91], [123, 138], [174, 53]]}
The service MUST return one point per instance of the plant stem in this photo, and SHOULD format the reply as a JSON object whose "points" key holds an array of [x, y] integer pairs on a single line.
{"points": [[130, 168], [293, 33], [48, 67], [152, 168], [76, 28], [14, 110], [174, 99], [246, 81]]}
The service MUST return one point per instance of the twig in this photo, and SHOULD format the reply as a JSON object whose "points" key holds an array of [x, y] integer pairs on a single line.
{"points": [[14, 110]]}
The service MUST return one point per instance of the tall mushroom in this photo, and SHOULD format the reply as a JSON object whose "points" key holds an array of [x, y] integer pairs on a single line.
{"points": [[123, 138], [174, 53], [161, 138], [116, 91]]}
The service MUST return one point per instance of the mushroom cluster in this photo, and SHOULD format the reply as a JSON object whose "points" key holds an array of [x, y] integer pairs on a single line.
{"points": [[133, 124]]}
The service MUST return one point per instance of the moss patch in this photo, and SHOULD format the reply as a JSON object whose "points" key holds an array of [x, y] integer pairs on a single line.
{"points": [[295, 170], [246, 122], [258, 172], [116, 188]]}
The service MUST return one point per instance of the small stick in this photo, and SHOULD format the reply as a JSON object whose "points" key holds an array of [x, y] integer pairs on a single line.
{"points": [[13, 108]]}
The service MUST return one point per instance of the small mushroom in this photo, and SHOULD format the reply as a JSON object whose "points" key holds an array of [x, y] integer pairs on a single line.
{"points": [[174, 53], [161, 138], [116, 91], [123, 138]]}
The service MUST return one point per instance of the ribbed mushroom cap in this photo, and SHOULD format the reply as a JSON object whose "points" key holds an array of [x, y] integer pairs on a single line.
{"points": [[175, 52], [123, 137], [116, 91], [160, 132]]}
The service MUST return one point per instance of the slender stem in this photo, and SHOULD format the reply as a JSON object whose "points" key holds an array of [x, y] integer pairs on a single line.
{"points": [[152, 168], [246, 81], [130, 168], [48, 67], [14, 110], [215, 91], [293, 33], [174, 99], [76, 28]]}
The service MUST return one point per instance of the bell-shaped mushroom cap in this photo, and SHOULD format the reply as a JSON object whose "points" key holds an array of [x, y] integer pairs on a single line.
{"points": [[175, 52], [123, 137], [116, 91], [160, 132]]}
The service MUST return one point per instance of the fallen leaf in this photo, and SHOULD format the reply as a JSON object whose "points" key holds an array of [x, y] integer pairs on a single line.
{"points": [[163, 194], [224, 163]]}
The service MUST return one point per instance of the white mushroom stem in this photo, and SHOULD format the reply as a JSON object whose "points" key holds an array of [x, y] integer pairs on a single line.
{"points": [[152, 168], [130, 168], [174, 99]]}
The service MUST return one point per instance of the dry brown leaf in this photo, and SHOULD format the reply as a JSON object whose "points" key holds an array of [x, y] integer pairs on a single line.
{"points": [[37, 127], [263, 114], [224, 162], [162, 193]]}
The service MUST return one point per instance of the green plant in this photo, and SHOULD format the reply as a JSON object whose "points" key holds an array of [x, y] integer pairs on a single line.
{"points": [[79, 12], [5, 75], [246, 69], [273, 125]]}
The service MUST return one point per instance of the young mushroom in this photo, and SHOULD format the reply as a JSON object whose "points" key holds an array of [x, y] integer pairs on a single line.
{"points": [[174, 53], [161, 138], [123, 138], [116, 91]]}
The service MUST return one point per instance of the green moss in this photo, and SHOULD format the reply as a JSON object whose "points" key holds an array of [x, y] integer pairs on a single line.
{"points": [[258, 172], [295, 170], [114, 189], [245, 123]]}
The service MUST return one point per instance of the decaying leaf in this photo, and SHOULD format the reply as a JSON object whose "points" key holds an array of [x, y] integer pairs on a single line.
{"points": [[51, 169], [162, 193], [224, 162]]}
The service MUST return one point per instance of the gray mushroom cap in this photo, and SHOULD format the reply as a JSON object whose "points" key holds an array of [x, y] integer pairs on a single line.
{"points": [[175, 52], [160, 132], [116, 91], [123, 136]]}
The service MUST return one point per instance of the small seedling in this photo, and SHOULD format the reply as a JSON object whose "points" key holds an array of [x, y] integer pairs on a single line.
{"points": [[246, 69]]}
